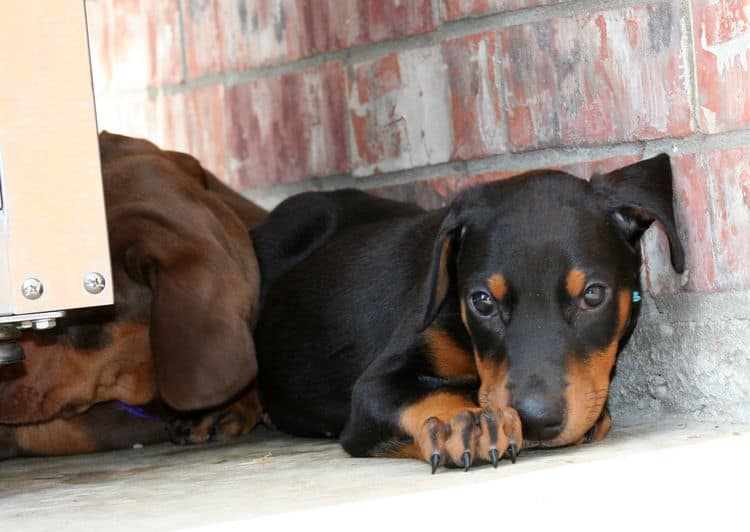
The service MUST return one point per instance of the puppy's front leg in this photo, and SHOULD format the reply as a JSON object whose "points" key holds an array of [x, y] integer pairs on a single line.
{"points": [[398, 415]]}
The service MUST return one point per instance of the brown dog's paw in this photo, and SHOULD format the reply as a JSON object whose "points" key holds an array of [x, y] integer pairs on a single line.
{"points": [[8, 445], [235, 419], [215, 426], [470, 437]]}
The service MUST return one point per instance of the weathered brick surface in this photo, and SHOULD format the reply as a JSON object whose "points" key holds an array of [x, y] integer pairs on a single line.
{"points": [[191, 121], [434, 193], [206, 26], [712, 193], [225, 35], [428, 194], [477, 116], [722, 51], [594, 79], [691, 203], [228, 35], [381, 20], [455, 9], [288, 128], [134, 43], [194, 122], [136, 117], [399, 107], [729, 173]]}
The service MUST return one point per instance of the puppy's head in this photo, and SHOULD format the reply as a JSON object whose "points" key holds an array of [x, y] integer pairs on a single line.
{"points": [[546, 267]]}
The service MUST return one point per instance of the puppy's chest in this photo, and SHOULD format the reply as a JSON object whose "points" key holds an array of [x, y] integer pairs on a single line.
{"points": [[448, 350]]}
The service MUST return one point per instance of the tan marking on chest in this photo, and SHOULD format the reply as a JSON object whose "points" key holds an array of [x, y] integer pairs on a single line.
{"points": [[449, 360]]}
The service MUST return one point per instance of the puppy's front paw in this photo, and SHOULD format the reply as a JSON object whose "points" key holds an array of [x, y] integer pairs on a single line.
{"points": [[470, 437]]}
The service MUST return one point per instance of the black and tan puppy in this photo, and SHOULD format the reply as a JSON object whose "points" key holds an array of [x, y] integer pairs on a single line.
{"points": [[440, 335]]}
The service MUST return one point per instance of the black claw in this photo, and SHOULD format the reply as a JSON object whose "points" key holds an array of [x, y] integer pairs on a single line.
{"points": [[494, 457], [435, 461], [513, 452], [467, 460]]}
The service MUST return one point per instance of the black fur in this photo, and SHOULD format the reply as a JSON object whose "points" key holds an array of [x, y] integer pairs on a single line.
{"points": [[351, 282]]}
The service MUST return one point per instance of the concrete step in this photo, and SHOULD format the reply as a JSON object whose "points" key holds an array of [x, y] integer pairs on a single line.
{"points": [[673, 474]]}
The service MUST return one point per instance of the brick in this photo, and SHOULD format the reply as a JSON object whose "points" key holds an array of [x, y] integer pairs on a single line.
{"points": [[205, 40], [586, 169], [381, 20], [134, 43], [477, 116], [729, 173], [456, 9], [133, 116], [399, 107], [722, 47], [194, 122], [428, 194], [273, 33], [595, 79], [713, 217], [288, 128], [191, 121], [329, 25], [692, 216], [226, 35]]}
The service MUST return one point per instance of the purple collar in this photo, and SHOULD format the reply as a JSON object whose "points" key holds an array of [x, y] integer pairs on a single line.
{"points": [[136, 411]]}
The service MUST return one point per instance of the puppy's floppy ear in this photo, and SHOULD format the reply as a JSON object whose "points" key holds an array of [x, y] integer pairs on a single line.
{"points": [[437, 280], [636, 195], [200, 335]]}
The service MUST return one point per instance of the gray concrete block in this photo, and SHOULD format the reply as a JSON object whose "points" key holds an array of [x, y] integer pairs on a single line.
{"points": [[690, 355]]}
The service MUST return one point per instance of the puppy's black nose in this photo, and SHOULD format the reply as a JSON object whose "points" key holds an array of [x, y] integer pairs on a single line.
{"points": [[541, 419]]}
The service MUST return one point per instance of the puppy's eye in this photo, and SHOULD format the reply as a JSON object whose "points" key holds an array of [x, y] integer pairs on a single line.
{"points": [[594, 296], [483, 303]]}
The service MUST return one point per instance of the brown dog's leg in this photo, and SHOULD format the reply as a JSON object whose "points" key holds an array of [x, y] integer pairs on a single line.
{"points": [[103, 427], [235, 419]]}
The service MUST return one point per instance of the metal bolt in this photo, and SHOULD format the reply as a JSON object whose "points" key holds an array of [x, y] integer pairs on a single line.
{"points": [[94, 282], [32, 288], [41, 325]]}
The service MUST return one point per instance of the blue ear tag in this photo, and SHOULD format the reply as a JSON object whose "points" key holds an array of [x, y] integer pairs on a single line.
{"points": [[636, 296]]}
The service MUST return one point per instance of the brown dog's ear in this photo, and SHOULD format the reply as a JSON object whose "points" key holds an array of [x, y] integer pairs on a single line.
{"points": [[200, 333], [636, 195], [437, 281]]}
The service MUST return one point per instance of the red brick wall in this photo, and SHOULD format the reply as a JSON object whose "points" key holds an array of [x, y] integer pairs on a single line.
{"points": [[416, 99]]}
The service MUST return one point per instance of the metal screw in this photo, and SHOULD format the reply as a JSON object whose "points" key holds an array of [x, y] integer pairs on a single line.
{"points": [[41, 325], [94, 282], [32, 288]]}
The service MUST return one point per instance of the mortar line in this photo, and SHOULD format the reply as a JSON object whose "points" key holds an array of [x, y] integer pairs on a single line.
{"points": [[183, 42], [515, 162], [437, 18], [502, 94], [688, 48]]}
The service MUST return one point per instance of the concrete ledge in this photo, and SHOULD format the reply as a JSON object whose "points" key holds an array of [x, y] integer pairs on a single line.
{"points": [[668, 475], [690, 355]]}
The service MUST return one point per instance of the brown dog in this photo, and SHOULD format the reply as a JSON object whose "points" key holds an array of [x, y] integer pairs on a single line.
{"points": [[178, 338]]}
